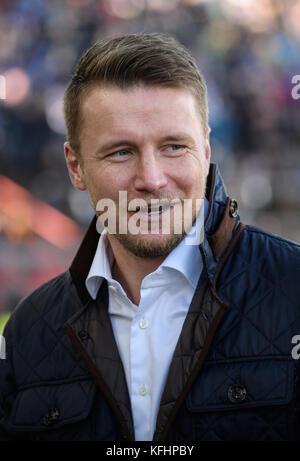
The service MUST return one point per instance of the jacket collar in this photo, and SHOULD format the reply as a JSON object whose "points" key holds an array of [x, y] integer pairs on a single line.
{"points": [[221, 221], [221, 224]]}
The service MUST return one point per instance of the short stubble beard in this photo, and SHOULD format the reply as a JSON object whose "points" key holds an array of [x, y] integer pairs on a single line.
{"points": [[153, 249], [144, 249]]}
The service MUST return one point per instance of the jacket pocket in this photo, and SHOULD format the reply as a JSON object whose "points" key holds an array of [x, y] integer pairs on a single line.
{"points": [[245, 400], [45, 406], [242, 384]]}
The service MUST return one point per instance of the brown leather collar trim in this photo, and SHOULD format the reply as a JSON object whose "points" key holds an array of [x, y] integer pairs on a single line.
{"points": [[219, 239], [81, 264], [229, 250]]}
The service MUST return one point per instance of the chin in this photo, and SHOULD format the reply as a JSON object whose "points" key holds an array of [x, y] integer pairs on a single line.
{"points": [[149, 246]]}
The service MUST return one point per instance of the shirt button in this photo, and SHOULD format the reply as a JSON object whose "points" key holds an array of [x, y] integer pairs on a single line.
{"points": [[143, 390], [143, 323]]}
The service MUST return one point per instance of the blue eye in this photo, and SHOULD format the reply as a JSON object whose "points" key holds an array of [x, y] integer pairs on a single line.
{"points": [[120, 153], [175, 147]]}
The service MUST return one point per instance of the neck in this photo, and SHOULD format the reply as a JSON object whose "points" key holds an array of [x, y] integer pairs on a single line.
{"points": [[131, 280]]}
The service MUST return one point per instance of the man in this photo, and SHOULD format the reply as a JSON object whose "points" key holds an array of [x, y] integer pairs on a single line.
{"points": [[147, 336]]}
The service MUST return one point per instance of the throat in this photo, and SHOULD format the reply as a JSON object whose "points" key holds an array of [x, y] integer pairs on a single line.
{"points": [[130, 270], [131, 285]]}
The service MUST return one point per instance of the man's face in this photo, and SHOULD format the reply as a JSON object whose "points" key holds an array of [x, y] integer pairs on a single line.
{"points": [[149, 143]]}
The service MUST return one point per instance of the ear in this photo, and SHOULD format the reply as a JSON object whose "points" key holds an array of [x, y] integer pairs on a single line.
{"points": [[75, 170]]}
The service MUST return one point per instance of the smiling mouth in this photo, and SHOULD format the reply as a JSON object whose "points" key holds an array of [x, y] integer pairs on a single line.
{"points": [[153, 210]]}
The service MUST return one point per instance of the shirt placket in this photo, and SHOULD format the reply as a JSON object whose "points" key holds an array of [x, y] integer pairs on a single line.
{"points": [[141, 389]]}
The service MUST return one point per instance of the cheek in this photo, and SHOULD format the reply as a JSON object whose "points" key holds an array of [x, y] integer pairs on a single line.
{"points": [[96, 188], [191, 179]]}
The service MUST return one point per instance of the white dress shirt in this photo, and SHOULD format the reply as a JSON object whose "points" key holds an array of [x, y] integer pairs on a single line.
{"points": [[146, 335]]}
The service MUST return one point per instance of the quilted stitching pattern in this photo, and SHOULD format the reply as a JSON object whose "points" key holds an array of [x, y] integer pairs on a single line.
{"points": [[103, 351], [263, 312], [43, 351], [252, 348], [257, 330]]}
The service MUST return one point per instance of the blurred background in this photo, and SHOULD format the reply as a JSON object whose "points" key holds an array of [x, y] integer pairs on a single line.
{"points": [[248, 51]]}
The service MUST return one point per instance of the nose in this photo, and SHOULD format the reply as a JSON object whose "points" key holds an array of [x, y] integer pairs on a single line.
{"points": [[150, 175]]}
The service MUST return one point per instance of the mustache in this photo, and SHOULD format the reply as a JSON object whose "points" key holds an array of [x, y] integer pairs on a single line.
{"points": [[152, 204], [148, 200]]}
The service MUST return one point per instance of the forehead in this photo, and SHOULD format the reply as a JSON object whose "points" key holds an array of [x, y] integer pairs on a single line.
{"points": [[143, 106]]}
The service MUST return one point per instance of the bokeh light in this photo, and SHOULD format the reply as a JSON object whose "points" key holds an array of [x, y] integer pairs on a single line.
{"points": [[256, 191], [162, 5], [193, 2], [53, 106], [123, 9], [257, 16], [17, 86], [2, 87], [248, 51], [293, 18]]}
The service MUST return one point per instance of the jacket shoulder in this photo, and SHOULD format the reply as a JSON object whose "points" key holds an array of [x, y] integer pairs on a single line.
{"points": [[37, 345], [47, 289], [264, 234], [264, 259], [49, 305], [265, 246]]}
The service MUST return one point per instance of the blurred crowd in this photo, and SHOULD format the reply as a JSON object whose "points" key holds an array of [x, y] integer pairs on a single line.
{"points": [[248, 51]]}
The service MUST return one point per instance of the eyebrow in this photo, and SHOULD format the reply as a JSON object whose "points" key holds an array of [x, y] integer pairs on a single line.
{"points": [[110, 146]]}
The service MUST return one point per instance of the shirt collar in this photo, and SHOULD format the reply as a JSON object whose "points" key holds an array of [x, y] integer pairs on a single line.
{"points": [[101, 265], [185, 258]]}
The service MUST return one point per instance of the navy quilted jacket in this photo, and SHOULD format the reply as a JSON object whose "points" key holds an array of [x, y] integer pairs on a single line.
{"points": [[233, 375]]}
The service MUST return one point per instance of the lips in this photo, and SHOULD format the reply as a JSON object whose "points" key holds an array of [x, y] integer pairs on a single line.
{"points": [[155, 213], [154, 209]]}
